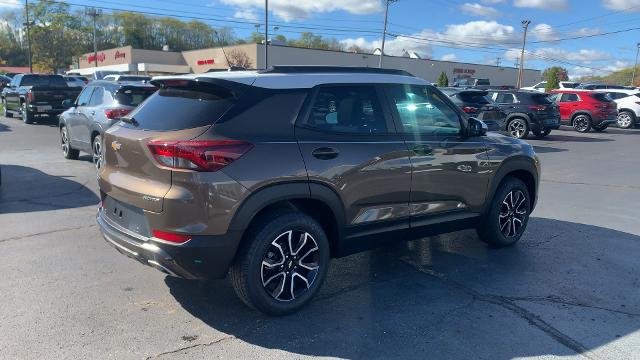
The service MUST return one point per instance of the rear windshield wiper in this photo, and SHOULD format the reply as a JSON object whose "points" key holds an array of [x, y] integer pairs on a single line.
{"points": [[130, 120]]}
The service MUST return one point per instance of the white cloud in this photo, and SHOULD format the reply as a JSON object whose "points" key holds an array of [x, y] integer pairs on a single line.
{"points": [[580, 71], [622, 5], [542, 4], [292, 9], [449, 57], [456, 35], [586, 32], [582, 56], [394, 46], [12, 4], [475, 9], [545, 32], [246, 14]]}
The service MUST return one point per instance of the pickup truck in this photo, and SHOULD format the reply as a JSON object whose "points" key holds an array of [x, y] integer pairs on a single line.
{"points": [[31, 95]]}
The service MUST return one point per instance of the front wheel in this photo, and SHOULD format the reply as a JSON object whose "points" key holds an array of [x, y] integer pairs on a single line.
{"points": [[282, 263], [582, 123], [518, 128], [5, 111], [508, 214]]}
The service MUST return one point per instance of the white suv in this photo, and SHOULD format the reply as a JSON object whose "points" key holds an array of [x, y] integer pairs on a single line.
{"points": [[628, 106], [540, 87]]}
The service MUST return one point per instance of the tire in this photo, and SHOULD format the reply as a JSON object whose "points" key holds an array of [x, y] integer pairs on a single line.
{"points": [[543, 133], [518, 128], [600, 128], [96, 147], [582, 123], [261, 285], [67, 151], [508, 214], [27, 117], [5, 111], [626, 119]]}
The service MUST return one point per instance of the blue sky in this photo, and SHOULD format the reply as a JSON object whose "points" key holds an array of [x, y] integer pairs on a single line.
{"points": [[477, 31]]}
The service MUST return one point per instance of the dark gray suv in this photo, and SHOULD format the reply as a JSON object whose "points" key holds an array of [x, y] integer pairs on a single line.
{"points": [[266, 175]]}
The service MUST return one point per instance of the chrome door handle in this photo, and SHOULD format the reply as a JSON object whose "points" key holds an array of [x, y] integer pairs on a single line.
{"points": [[465, 168], [325, 153]]}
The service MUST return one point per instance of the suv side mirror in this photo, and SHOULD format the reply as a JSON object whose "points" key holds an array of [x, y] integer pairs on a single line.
{"points": [[477, 127], [68, 103]]}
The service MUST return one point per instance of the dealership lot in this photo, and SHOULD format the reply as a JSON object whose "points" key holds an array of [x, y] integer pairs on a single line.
{"points": [[569, 288]]}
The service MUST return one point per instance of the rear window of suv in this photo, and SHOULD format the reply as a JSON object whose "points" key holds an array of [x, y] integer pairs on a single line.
{"points": [[602, 97], [473, 98], [176, 108]]}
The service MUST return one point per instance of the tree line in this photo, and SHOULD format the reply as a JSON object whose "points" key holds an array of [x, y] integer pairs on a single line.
{"points": [[59, 34]]}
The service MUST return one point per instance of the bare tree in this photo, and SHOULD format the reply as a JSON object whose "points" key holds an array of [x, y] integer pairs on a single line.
{"points": [[239, 58]]}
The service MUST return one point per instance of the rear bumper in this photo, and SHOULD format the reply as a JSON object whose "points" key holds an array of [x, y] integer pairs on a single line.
{"points": [[203, 257]]}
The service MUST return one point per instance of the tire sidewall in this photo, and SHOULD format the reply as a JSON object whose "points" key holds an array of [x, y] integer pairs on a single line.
{"points": [[589, 123], [493, 225], [526, 127], [632, 120], [262, 241], [97, 138]]}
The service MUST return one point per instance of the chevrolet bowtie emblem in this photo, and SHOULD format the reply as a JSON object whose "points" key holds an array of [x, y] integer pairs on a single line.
{"points": [[116, 146]]}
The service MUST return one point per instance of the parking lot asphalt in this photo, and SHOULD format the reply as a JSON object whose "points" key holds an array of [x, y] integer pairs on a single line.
{"points": [[570, 288]]}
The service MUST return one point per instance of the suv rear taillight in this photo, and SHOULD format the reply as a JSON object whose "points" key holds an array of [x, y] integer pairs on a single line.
{"points": [[538, 107], [470, 109], [198, 155], [115, 114]]}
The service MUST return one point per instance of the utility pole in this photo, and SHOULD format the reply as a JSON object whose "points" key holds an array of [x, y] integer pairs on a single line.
{"points": [[92, 12], [28, 25], [498, 61], [525, 26], [635, 66], [384, 32], [266, 34]]}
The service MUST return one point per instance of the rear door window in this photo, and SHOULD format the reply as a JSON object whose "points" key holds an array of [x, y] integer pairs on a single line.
{"points": [[601, 97], [505, 98], [97, 96], [85, 95], [541, 99], [348, 109], [472, 97], [569, 98], [183, 106]]}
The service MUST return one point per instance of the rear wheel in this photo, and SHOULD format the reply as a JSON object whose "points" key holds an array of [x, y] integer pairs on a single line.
{"points": [[626, 119], [508, 214], [27, 116], [582, 123], [97, 151], [5, 112], [282, 264], [518, 128], [67, 150]]}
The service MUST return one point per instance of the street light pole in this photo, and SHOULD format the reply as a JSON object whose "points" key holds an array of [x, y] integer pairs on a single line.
{"points": [[266, 34], [384, 32], [525, 25], [635, 66], [26, 10], [94, 14]]}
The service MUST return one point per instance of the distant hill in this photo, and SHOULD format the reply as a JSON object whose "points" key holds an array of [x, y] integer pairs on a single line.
{"points": [[620, 77]]}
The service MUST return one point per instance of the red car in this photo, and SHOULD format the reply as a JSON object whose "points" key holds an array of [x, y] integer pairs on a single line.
{"points": [[585, 110]]}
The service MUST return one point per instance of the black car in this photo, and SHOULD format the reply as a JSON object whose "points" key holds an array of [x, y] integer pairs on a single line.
{"points": [[527, 111], [475, 103]]}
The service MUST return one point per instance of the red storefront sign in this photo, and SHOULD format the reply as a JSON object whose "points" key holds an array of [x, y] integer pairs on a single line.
{"points": [[120, 55], [100, 57], [206, 62]]}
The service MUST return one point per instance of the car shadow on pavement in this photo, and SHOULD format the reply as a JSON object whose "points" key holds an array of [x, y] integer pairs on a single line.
{"points": [[4, 128], [573, 138], [25, 189], [547, 149], [566, 288]]}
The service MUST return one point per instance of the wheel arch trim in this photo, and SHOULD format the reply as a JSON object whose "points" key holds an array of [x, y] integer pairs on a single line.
{"points": [[511, 166]]}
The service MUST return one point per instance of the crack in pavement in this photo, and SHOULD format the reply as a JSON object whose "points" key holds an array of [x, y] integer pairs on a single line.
{"points": [[190, 347], [590, 184], [558, 300], [508, 304], [47, 232]]}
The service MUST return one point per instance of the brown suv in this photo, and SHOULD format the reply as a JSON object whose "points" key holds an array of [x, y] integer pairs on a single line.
{"points": [[269, 174]]}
